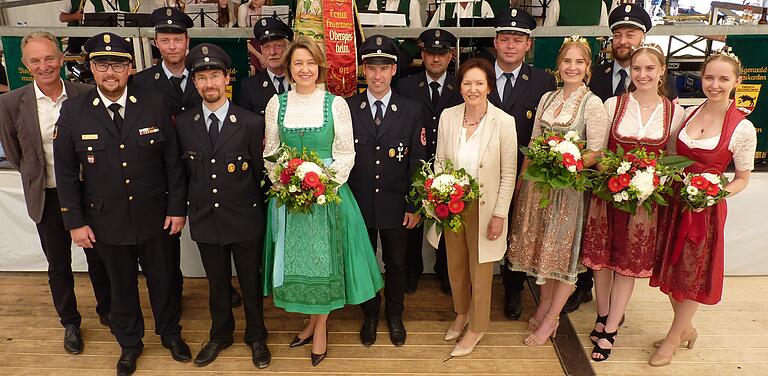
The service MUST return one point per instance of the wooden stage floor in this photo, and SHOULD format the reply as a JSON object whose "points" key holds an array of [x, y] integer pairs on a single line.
{"points": [[31, 340]]}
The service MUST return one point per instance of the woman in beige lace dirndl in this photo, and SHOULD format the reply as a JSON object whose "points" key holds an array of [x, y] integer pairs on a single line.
{"points": [[545, 242]]}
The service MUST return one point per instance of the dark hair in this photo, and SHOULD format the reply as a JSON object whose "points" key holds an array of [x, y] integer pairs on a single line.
{"points": [[483, 65]]}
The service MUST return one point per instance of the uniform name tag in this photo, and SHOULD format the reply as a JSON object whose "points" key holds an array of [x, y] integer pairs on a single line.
{"points": [[148, 130], [87, 137]]}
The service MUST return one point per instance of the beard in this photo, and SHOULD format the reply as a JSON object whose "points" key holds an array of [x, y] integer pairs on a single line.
{"points": [[212, 97], [621, 55]]}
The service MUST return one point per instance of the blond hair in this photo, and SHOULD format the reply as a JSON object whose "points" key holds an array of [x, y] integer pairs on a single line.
{"points": [[586, 53], [313, 48], [652, 50]]}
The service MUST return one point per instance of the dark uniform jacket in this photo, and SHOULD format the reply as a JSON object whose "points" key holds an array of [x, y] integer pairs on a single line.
{"points": [[132, 178], [601, 83], [154, 79], [255, 93], [417, 88], [22, 142], [225, 203], [386, 157], [530, 85]]}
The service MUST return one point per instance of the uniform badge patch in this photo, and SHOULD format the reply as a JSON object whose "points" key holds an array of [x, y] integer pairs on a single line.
{"points": [[423, 137], [233, 118], [148, 130], [244, 166], [91, 158]]}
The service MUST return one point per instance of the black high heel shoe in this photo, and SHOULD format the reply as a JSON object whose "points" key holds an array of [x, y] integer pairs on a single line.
{"points": [[610, 337], [300, 342], [317, 358], [594, 333]]}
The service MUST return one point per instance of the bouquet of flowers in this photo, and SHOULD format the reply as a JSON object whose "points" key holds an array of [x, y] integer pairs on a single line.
{"points": [[703, 190], [636, 178], [555, 163], [443, 196], [302, 180]]}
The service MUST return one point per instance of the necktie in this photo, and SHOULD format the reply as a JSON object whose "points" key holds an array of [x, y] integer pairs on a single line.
{"points": [[213, 129], [378, 118], [176, 83], [382, 5], [622, 86], [434, 85], [507, 89], [280, 88], [116, 118]]}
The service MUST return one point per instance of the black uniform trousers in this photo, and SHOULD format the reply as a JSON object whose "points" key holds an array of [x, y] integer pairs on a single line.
{"points": [[57, 247], [179, 278], [415, 259], [394, 247], [156, 258], [218, 268]]}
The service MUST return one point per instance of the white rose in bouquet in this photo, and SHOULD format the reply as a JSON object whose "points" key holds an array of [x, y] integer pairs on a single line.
{"points": [[308, 167], [643, 183], [443, 183], [572, 136], [568, 147]]}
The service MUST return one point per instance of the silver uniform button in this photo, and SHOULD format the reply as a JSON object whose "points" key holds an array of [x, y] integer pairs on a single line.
{"points": [[377, 190], [216, 205], [378, 162], [378, 148], [377, 176], [90, 148], [213, 176], [215, 190], [213, 160]]}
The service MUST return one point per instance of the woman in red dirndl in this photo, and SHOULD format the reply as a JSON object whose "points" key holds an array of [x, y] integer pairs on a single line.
{"points": [[618, 246], [690, 267]]}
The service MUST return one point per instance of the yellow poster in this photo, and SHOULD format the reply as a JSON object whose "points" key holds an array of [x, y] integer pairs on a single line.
{"points": [[746, 97]]}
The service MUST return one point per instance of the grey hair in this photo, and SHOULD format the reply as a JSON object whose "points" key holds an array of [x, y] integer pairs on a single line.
{"points": [[36, 35]]}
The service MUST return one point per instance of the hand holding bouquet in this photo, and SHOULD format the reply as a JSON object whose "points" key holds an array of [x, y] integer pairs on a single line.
{"points": [[445, 195], [555, 162], [301, 180], [703, 190], [636, 178]]}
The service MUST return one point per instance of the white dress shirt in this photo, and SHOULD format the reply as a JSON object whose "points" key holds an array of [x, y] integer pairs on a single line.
{"points": [[221, 114], [168, 74], [47, 114], [384, 100], [414, 10], [468, 150], [271, 75], [107, 102], [616, 77], [501, 79]]}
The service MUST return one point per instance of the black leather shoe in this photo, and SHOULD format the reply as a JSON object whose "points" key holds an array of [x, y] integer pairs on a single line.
{"points": [[209, 352], [179, 351], [574, 301], [368, 331], [445, 286], [413, 284], [237, 300], [317, 358], [300, 342], [396, 331], [260, 354], [104, 320], [73, 341], [126, 365], [513, 306]]}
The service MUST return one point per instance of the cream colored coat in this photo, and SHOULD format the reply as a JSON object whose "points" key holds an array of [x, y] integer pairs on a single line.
{"points": [[496, 173]]}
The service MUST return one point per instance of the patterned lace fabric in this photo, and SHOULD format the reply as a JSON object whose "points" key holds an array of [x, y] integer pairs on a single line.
{"points": [[307, 112], [742, 144], [632, 126], [595, 117]]}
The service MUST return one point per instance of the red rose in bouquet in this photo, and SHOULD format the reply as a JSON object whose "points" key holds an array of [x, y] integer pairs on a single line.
{"points": [[713, 190], [699, 182], [311, 180], [294, 163], [614, 184], [442, 211], [319, 190], [428, 183], [285, 176]]}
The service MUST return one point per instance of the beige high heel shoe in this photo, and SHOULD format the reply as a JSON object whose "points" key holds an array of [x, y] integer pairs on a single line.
{"points": [[460, 351], [534, 340], [451, 335], [660, 361], [689, 340], [533, 324]]}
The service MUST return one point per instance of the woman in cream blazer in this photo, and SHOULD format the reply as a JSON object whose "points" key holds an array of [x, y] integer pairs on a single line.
{"points": [[482, 139]]}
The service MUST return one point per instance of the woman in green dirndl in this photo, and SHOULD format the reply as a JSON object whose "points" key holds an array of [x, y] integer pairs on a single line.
{"points": [[318, 261]]}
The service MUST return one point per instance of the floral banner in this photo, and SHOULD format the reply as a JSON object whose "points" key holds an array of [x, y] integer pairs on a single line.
{"points": [[340, 50]]}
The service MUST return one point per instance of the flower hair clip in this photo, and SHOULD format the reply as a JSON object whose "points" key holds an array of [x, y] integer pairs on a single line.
{"points": [[575, 38], [652, 46], [727, 52]]}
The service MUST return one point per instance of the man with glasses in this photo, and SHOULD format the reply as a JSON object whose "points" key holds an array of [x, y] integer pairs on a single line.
{"points": [[27, 119], [121, 187]]}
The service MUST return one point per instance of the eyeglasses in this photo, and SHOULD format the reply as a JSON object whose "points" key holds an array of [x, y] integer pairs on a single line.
{"points": [[116, 67]]}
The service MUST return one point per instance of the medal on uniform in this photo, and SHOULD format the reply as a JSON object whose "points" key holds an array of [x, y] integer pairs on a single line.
{"points": [[529, 114], [525, 76], [231, 168], [421, 84], [89, 137], [148, 130], [91, 158], [245, 166], [391, 153], [400, 153]]}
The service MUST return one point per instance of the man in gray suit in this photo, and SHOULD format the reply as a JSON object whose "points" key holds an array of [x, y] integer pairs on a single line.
{"points": [[27, 128]]}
